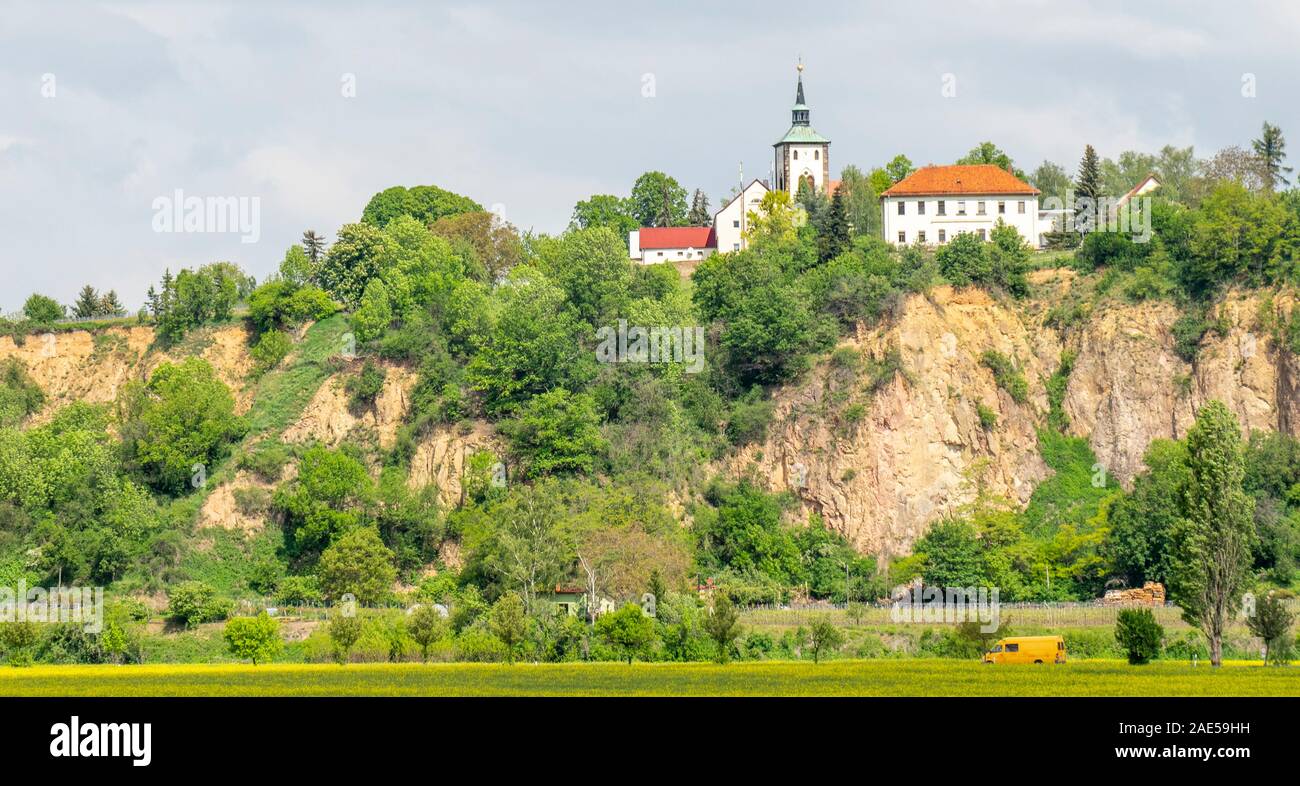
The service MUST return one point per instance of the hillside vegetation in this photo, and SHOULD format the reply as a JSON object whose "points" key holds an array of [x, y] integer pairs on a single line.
{"points": [[422, 412]]}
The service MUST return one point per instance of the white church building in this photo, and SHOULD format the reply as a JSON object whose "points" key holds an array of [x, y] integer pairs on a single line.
{"points": [[801, 156]]}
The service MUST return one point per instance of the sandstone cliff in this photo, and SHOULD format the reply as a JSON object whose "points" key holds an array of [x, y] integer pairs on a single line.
{"points": [[917, 441]]}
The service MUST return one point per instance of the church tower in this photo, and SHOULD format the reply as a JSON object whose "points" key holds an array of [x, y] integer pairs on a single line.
{"points": [[802, 155]]}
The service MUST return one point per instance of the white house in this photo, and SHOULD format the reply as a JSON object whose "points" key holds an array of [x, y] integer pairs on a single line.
{"points": [[652, 245], [934, 204], [1147, 185], [802, 155], [732, 221]]}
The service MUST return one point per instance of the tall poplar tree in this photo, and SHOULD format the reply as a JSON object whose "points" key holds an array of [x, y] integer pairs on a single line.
{"points": [[1213, 541]]}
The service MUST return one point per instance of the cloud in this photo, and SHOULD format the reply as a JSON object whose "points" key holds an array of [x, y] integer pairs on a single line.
{"points": [[535, 106]]}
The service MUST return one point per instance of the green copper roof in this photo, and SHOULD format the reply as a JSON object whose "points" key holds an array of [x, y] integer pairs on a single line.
{"points": [[802, 134]]}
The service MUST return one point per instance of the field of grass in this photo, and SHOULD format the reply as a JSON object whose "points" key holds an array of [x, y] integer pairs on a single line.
{"points": [[922, 677]]}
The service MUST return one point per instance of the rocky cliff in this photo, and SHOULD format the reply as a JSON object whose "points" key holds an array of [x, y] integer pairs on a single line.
{"points": [[879, 460], [880, 437]]}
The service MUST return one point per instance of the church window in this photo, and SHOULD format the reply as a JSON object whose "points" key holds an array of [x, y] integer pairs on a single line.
{"points": [[796, 155], [817, 155]]}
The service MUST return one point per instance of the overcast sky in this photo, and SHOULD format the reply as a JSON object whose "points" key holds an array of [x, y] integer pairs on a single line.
{"points": [[532, 106]]}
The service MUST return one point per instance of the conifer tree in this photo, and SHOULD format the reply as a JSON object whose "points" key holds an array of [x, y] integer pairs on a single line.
{"points": [[1087, 185], [1271, 149], [699, 215], [110, 305], [87, 304], [314, 245], [833, 235]]}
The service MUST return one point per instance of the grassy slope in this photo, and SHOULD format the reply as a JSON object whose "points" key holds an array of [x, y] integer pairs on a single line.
{"points": [[279, 399], [772, 678]]}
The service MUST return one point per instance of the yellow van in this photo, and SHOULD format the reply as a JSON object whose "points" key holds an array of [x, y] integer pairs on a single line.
{"points": [[1027, 649]]}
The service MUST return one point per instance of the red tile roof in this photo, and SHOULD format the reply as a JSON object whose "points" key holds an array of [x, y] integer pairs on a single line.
{"points": [[960, 179], [678, 237]]}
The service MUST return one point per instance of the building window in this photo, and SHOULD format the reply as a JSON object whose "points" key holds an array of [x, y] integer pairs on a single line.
{"points": [[660, 253], [943, 236], [1002, 208], [961, 208], [979, 208], [796, 155], [920, 208], [736, 223], [902, 211], [735, 246], [980, 233], [817, 155], [1022, 208], [943, 208], [920, 236], [902, 237]]}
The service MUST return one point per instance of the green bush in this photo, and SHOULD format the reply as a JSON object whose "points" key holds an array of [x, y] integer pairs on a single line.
{"points": [[298, 591], [748, 418], [365, 387], [254, 638], [1138, 634], [18, 639], [266, 459], [20, 396], [1006, 375], [478, 646], [193, 602], [1188, 330], [269, 350]]}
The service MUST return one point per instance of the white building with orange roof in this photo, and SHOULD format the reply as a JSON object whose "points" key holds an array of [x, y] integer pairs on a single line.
{"points": [[934, 204]]}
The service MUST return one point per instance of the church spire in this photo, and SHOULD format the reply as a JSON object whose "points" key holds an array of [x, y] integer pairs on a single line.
{"points": [[799, 114]]}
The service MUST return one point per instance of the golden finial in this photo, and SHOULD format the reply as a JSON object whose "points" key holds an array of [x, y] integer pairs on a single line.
{"points": [[800, 66]]}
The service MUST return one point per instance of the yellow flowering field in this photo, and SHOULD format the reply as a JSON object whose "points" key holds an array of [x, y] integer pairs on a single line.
{"points": [[919, 677]]}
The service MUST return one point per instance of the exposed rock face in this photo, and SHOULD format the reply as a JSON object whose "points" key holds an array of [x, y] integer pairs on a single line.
{"points": [[328, 420], [82, 366], [221, 508], [440, 459], [918, 444], [1129, 386]]}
